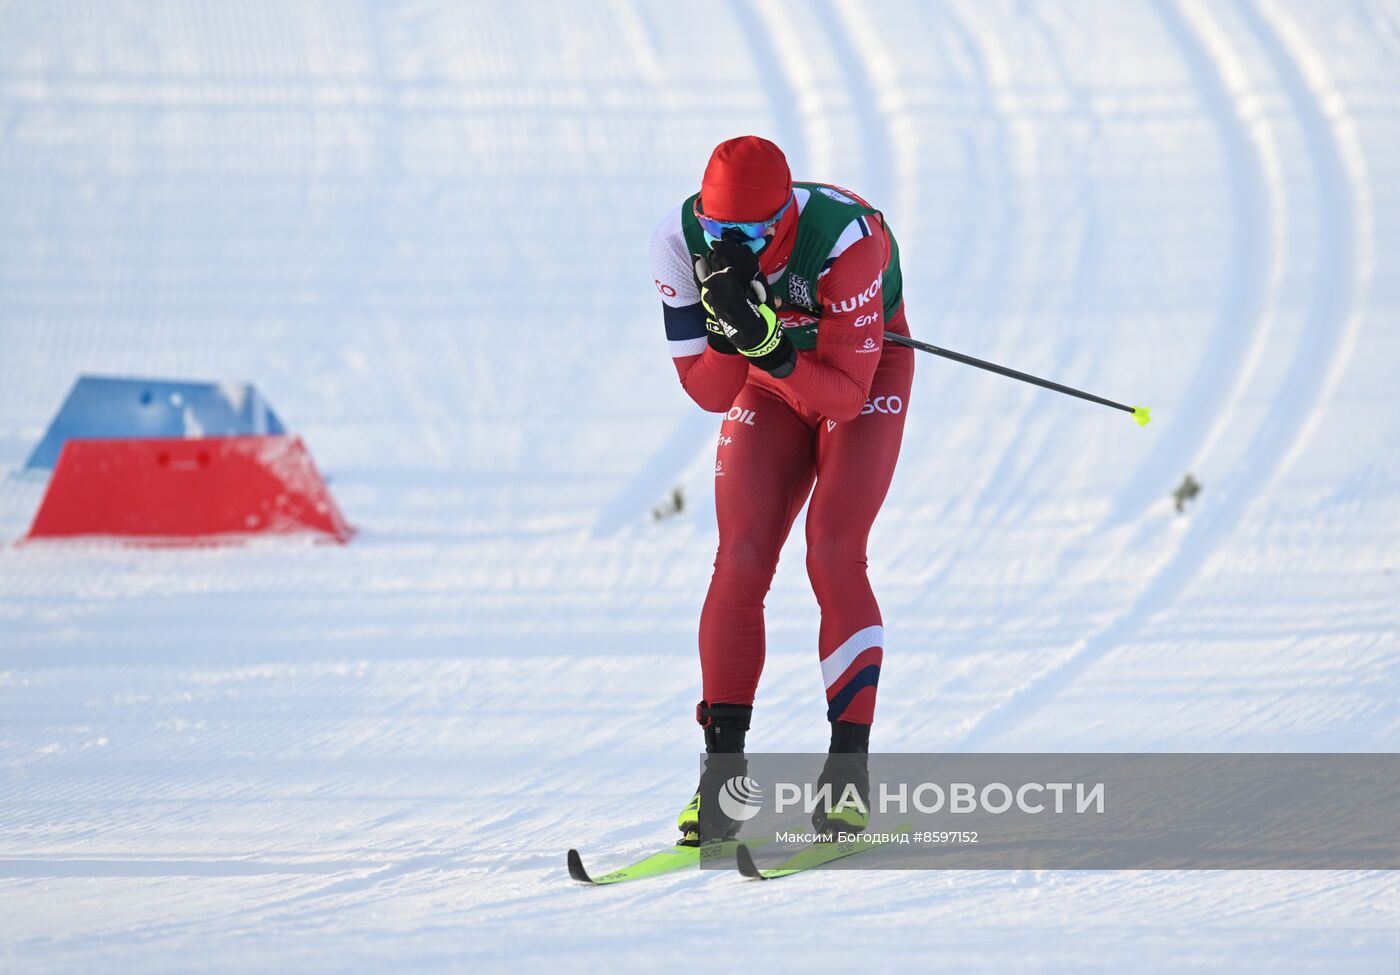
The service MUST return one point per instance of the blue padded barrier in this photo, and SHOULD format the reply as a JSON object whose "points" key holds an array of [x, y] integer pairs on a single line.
{"points": [[100, 407]]}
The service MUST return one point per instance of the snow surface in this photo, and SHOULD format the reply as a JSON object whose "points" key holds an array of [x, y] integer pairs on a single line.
{"points": [[421, 229]]}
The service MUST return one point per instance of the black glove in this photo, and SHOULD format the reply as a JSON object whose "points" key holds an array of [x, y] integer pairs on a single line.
{"points": [[737, 308], [717, 340], [736, 267]]}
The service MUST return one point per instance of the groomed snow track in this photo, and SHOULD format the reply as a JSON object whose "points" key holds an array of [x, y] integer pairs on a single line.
{"points": [[421, 230]]}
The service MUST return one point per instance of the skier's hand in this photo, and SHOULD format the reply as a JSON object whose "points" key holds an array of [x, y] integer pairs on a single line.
{"points": [[738, 308], [725, 276]]}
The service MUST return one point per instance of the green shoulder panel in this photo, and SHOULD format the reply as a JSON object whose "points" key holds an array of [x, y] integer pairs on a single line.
{"points": [[694, 236], [824, 219], [826, 215]]}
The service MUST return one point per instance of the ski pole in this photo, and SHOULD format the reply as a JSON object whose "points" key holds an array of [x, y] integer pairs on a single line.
{"points": [[1140, 413]]}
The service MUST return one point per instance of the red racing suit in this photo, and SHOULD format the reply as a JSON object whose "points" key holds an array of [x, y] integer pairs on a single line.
{"points": [[831, 430]]}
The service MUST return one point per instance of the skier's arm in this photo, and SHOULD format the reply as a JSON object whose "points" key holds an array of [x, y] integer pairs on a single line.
{"points": [[712, 378], [835, 382]]}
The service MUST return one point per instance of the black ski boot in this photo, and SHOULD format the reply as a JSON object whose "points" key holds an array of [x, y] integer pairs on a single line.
{"points": [[702, 820], [848, 773]]}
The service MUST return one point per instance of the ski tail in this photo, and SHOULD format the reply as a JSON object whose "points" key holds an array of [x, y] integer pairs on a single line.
{"points": [[747, 867], [658, 864], [576, 870], [665, 861]]}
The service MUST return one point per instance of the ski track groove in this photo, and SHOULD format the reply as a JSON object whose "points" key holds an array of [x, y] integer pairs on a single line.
{"points": [[1002, 187], [1204, 403], [897, 183], [1251, 161], [1300, 394], [1341, 154], [1017, 501], [939, 302], [856, 63], [1003, 491], [1247, 137]]}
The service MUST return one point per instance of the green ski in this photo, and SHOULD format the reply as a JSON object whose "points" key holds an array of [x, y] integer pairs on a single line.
{"points": [[667, 861], [664, 862], [813, 856]]}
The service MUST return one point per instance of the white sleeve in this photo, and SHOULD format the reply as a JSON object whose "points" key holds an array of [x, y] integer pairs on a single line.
{"points": [[671, 265]]}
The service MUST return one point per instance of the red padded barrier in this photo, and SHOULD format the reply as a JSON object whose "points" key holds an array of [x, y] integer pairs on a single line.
{"points": [[170, 489]]}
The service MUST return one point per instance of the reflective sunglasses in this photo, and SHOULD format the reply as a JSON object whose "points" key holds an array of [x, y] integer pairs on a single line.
{"points": [[753, 232]]}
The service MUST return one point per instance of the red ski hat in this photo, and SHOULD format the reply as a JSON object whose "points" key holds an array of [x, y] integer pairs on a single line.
{"points": [[746, 179]]}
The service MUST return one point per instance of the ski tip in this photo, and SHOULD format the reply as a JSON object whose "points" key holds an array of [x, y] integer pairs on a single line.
{"points": [[747, 867], [1142, 415], [576, 870]]}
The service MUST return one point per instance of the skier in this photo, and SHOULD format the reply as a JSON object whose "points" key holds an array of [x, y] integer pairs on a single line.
{"points": [[776, 297]]}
